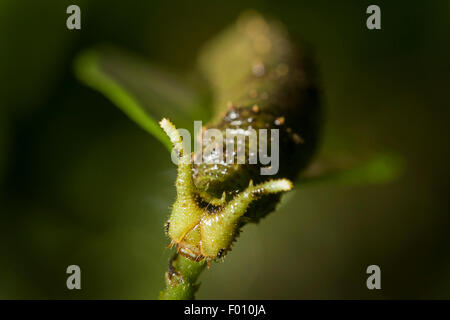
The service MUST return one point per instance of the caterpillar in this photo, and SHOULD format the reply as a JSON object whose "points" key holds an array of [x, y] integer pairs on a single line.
{"points": [[260, 80]]}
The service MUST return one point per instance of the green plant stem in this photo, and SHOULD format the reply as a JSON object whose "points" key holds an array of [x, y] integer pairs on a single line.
{"points": [[181, 278]]}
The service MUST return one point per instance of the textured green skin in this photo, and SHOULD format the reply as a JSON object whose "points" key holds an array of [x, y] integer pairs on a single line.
{"points": [[259, 80]]}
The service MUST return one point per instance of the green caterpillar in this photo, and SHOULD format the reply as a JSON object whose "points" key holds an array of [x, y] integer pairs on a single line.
{"points": [[260, 80]]}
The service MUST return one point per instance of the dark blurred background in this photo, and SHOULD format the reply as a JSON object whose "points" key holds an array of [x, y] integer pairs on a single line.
{"points": [[82, 184]]}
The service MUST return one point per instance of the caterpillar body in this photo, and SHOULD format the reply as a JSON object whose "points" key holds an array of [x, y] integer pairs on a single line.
{"points": [[260, 80]]}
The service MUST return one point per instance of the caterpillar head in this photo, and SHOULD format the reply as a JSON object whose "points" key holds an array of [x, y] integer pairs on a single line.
{"points": [[201, 225]]}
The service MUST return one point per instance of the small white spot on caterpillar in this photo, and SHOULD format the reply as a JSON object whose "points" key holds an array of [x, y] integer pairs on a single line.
{"points": [[233, 115], [258, 69], [279, 121]]}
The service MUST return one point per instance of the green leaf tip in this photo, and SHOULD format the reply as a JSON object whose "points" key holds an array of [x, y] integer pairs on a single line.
{"points": [[89, 71], [379, 169], [144, 92]]}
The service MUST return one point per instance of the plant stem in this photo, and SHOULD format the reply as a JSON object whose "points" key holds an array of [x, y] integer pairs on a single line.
{"points": [[181, 278]]}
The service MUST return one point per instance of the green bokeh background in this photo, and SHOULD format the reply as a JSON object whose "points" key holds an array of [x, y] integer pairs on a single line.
{"points": [[82, 184]]}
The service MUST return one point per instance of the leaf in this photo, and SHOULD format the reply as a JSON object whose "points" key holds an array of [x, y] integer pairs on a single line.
{"points": [[377, 169], [144, 92], [346, 170]]}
